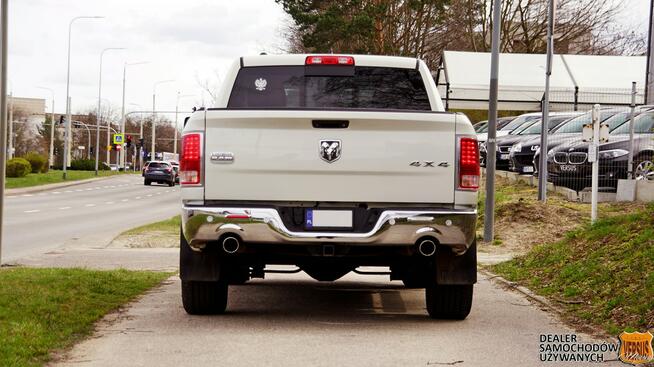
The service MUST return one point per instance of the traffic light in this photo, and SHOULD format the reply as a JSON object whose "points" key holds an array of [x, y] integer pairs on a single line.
{"points": [[128, 141], [141, 141], [61, 120]]}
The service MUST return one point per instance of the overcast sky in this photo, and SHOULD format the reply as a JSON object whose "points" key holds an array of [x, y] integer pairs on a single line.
{"points": [[182, 40]]}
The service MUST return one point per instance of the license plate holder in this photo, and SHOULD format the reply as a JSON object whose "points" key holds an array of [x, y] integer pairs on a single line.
{"points": [[328, 219]]}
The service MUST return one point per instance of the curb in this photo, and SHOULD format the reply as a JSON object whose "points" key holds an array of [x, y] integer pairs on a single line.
{"points": [[29, 190], [520, 289]]}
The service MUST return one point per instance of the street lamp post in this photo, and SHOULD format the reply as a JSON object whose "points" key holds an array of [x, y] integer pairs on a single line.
{"points": [[67, 137], [154, 114], [97, 116], [179, 96], [122, 112], [52, 125]]}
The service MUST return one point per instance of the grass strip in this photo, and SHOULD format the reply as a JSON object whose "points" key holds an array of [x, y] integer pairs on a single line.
{"points": [[43, 309]]}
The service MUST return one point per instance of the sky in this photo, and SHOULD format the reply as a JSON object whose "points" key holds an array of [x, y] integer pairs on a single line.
{"points": [[187, 41]]}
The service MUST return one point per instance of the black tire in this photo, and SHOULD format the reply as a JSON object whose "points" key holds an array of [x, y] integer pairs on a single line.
{"points": [[204, 298], [449, 301], [171, 183], [147, 182]]}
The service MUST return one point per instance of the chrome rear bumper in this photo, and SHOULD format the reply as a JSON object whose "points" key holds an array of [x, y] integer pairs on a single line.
{"points": [[453, 228]]}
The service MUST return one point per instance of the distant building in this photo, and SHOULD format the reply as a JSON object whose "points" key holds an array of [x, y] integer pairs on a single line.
{"points": [[29, 106]]}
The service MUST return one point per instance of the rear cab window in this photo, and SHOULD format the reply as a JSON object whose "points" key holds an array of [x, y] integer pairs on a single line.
{"points": [[341, 87]]}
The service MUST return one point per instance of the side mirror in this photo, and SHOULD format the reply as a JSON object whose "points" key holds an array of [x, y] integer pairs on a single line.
{"points": [[186, 119]]}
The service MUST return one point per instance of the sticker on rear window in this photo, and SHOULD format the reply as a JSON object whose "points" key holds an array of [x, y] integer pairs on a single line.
{"points": [[260, 84]]}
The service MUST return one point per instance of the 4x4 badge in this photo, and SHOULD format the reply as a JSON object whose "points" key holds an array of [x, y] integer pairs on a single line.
{"points": [[330, 150]]}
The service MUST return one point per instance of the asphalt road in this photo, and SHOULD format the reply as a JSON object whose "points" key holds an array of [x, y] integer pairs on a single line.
{"points": [[291, 320], [89, 214]]}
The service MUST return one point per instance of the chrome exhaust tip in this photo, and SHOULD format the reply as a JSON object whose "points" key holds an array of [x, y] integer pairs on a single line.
{"points": [[231, 244], [427, 248]]}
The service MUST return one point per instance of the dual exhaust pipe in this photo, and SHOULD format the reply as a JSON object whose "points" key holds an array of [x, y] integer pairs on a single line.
{"points": [[232, 244]]}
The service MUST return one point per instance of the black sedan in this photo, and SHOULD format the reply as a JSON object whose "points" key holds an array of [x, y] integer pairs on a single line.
{"points": [[160, 172], [568, 164], [566, 132]]}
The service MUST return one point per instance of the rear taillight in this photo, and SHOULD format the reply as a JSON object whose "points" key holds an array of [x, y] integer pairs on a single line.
{"points": [[190, 163], [330, 60], [468, 164]]}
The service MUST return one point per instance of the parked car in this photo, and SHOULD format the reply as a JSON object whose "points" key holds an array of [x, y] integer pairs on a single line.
{"points": [[160, 172], [482, 134], [480, 125], [568, 163], [505, 142], [336, 162], [569, 131], [511, 146]]}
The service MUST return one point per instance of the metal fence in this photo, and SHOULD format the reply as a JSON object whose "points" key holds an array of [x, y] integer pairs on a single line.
{"points": [[568, 153]]}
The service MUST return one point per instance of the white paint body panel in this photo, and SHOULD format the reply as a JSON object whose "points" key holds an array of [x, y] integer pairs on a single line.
{"points": [[276, 157]]}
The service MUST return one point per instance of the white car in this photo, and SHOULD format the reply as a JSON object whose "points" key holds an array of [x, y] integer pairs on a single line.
{"points": [[329, 163]]}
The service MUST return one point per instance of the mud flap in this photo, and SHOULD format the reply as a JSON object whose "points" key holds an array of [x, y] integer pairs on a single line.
{"points": [[197, 266], [453, 269]]}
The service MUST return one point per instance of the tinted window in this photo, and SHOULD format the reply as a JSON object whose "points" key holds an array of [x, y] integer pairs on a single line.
{"points": [[644, 124], [519, 121], [576, 125], [158, 165], [537, 127], [368, 88]]}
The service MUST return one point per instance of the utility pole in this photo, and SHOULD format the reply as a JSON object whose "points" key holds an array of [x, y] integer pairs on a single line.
{"points": [[4, 8], [11, 125], [97, 116], [489, 213], [154, 115], [542, 170], [649, 78]]}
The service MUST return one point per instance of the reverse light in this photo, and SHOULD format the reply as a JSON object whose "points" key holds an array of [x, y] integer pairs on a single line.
{"points": [[190, 163], [329, 60], [469, 170]]}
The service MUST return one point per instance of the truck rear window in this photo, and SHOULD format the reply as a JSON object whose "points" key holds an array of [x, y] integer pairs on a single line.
{"points": [[369, 88]]}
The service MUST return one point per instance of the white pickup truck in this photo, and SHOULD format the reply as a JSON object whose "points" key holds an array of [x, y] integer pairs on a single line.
{"points": [[329, 163]]}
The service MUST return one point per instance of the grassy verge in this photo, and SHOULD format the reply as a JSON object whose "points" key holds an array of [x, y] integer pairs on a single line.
{"points": [[55, 176], [601, 274], [46, 309], [170, 226]]}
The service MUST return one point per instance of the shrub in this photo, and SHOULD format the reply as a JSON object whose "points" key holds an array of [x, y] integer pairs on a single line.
{"points": [[18, 167], [38, 162], [82, 165], [86, 165]]}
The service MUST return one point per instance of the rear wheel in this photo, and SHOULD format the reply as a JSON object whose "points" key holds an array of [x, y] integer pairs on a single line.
{"points": [[171, 183], [204, 298], [449, 301], [147, 182]]}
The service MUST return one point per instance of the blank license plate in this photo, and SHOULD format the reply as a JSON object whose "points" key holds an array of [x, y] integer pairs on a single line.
{"points": [[528, 169], [328, 218], [504, 157]]}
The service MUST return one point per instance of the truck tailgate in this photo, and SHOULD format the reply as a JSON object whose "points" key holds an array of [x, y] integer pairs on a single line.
{"points": [[281, 156]]}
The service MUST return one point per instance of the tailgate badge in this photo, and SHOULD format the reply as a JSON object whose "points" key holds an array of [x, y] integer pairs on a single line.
{"points": [[330, 150], [222, 157]]}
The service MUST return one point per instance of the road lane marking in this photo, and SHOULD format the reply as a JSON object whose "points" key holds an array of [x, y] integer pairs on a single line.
{"points": [[56, 193], [78, 190], [27, 195], [138, 198], [124, 200], [32, 211], [89, 189], [89, 205], [109, 202], [65, 208], [67, 192], [149, 195]]}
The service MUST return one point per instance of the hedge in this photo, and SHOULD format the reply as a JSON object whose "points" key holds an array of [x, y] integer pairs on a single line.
{"points": [[18, 167], [86, 165], [38, 162]]}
